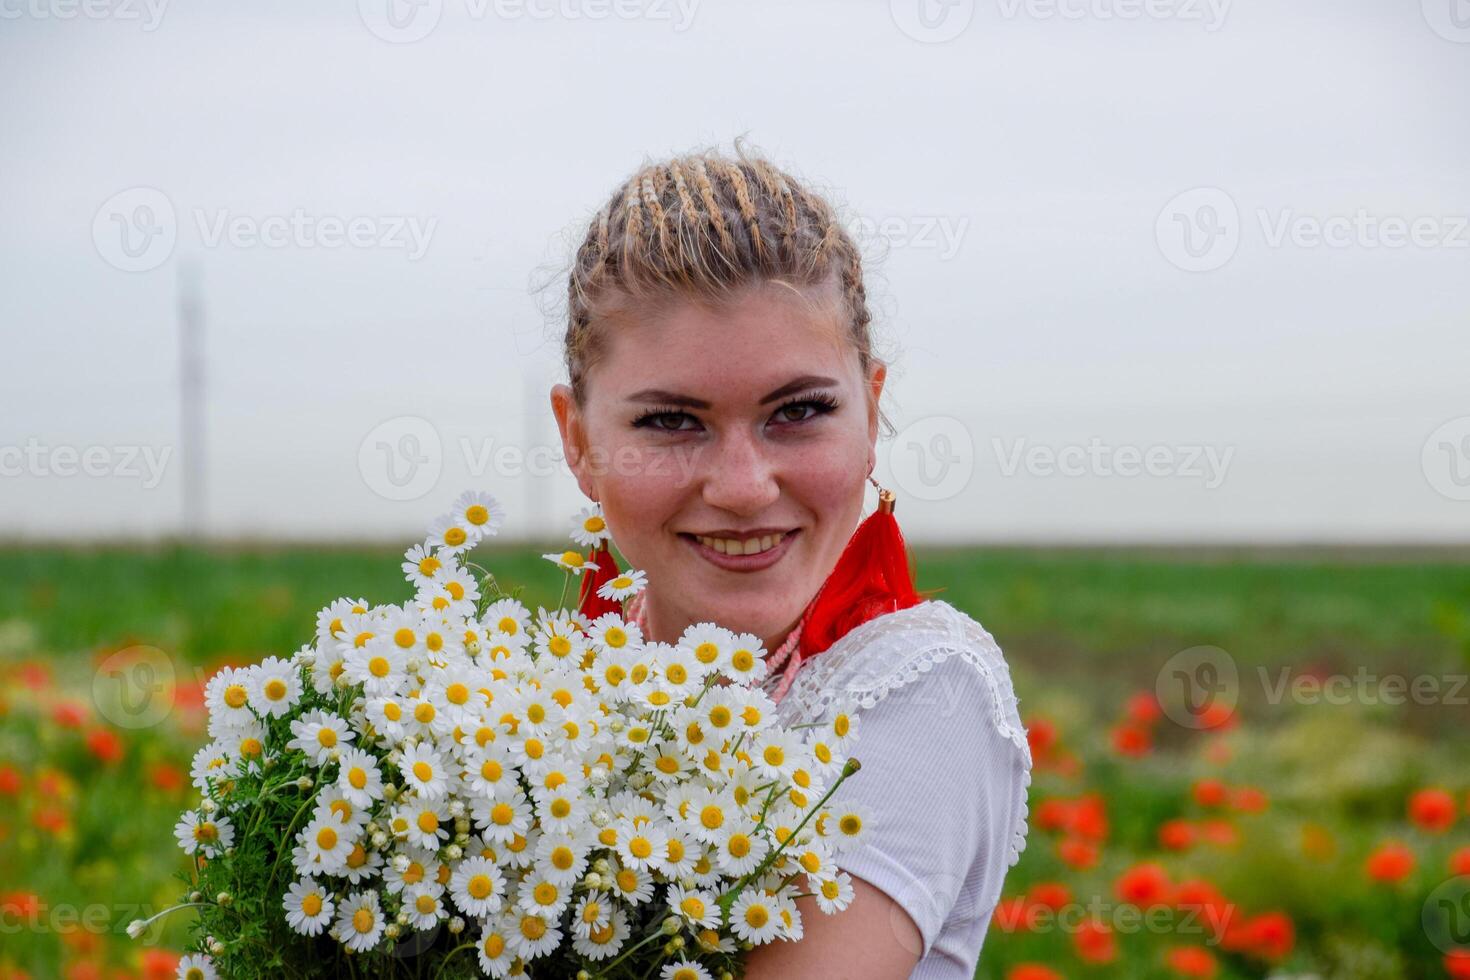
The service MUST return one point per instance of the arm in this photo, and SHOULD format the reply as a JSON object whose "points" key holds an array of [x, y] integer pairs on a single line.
{"points": [[872, 939]]}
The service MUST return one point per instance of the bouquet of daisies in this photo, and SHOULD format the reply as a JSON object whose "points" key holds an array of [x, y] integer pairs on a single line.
{"points": [[453, 787]]}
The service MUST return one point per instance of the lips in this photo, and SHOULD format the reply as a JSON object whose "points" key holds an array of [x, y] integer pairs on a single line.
{"points": [[770, 549]]}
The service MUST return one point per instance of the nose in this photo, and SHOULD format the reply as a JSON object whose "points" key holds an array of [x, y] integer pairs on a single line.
{"points": [[739, 475]]}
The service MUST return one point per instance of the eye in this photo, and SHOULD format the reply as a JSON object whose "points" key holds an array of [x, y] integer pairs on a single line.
{"points": [[805, 409], [663, 420]]}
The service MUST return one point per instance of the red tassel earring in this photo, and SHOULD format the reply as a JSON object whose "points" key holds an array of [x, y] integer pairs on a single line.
{"points": [[590, 603], [871, 578]]}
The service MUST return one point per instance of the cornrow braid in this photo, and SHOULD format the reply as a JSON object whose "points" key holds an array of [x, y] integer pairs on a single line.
{"points": [[704, 226]]}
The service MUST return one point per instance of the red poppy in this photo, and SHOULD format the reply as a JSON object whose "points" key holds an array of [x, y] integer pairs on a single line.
{"points": [[1460, 862], [1089, 817], [1143, 708], [104, 744], [1192, 961], [1391, 862], [1145, 885], [1095, 943], [1013, 915], [1176, 835], [1457, 964], [1078, 854], [1052, 814], [69, 714], [1132, 741], [1248, 799], [160, 964], [1042, 735], [1032, 971], [1220, 833], [10, 781], [1210, 793], [1052, 894], [1433, 810]]}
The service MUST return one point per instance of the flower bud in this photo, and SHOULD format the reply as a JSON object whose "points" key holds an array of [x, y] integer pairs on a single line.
{"points": [[224, 898], [456, 925], [304, 783], [671, 925], [454, 852], [391, 930], [136, 928], [216, 947], [380, 840]]}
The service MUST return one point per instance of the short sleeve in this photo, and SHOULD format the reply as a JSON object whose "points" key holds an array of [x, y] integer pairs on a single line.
{"points": [[945, 787]]}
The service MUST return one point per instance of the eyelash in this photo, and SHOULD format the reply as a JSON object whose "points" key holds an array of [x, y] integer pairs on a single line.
{"points": [[822, 402]]}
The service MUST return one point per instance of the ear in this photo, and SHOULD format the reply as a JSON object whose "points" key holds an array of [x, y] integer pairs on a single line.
{"points": [[877, 375], [573, 437]]}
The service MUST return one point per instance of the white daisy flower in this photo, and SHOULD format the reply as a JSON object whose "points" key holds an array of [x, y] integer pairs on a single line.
{"points": [[753, 917], [411, 866], [387, 715], [359, 778], [425, 906], [589, 526], [422, 565], [449, 535], [197, 966], [535, 935], [682, 969], [480, 511], [842, 729], [843, 829], [592, 912], [562, 857], [204, 834], [318, 735], [213, 762], [421, 822], [747, 662], [632, 885], [833, 894], [666, 761], [379, 666], [695, 906], [710, 644], [740, 849], [361, 864], [227, 696], [309, 907], [424, 771], [275, 686], [640, 846], [477, 887], [490, 771], [681, 852], [624, 585], [502, 819], [709, 812], [331, 622], [506, 616], [328, 841], [776, 753], [611, 632], [494, 948], [540, 895], [571, 561], [360, 922], [606, 940]]}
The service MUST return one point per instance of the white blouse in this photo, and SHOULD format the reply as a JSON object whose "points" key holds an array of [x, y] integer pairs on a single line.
{"points": [[945, 769]]}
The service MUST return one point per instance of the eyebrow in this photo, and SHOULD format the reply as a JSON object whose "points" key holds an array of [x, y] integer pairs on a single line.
{"points": [[662, 397]]}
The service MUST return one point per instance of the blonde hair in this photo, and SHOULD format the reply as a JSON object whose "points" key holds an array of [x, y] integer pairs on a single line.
{"points": [[703, 226]]}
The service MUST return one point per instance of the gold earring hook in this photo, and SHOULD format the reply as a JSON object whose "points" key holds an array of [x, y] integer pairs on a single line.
{"points": [[886, 499]]}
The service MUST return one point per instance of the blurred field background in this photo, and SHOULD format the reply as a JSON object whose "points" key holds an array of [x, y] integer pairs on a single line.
{"points": [[1291, 839]]}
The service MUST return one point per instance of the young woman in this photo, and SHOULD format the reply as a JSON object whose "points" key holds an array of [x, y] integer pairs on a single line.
{"points": [[723, 407]]}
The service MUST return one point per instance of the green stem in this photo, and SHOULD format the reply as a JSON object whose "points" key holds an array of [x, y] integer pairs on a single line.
{"points": [[449, 956], [658, 934], [728, 899]]}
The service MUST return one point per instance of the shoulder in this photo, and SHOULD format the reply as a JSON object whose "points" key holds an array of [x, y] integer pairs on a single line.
{"points": [[897, 657]]}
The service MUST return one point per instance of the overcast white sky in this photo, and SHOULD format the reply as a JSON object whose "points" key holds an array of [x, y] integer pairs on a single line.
{"points": [[1044, 287]]}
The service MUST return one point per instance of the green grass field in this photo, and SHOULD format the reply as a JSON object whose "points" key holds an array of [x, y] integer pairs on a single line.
{"points": [[1082, 631]]}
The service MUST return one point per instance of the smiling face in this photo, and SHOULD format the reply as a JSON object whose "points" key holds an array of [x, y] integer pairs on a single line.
{"points": [[752, 422]]}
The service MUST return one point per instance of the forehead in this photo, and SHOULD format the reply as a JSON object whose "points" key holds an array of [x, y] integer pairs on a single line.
{"points": [[747, 346]]}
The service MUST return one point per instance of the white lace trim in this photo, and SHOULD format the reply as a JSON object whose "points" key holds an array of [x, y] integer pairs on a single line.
{"points": [[892, 651]]}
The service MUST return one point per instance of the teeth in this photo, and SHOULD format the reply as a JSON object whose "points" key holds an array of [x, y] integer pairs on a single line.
{"points": [[749, 546]]}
